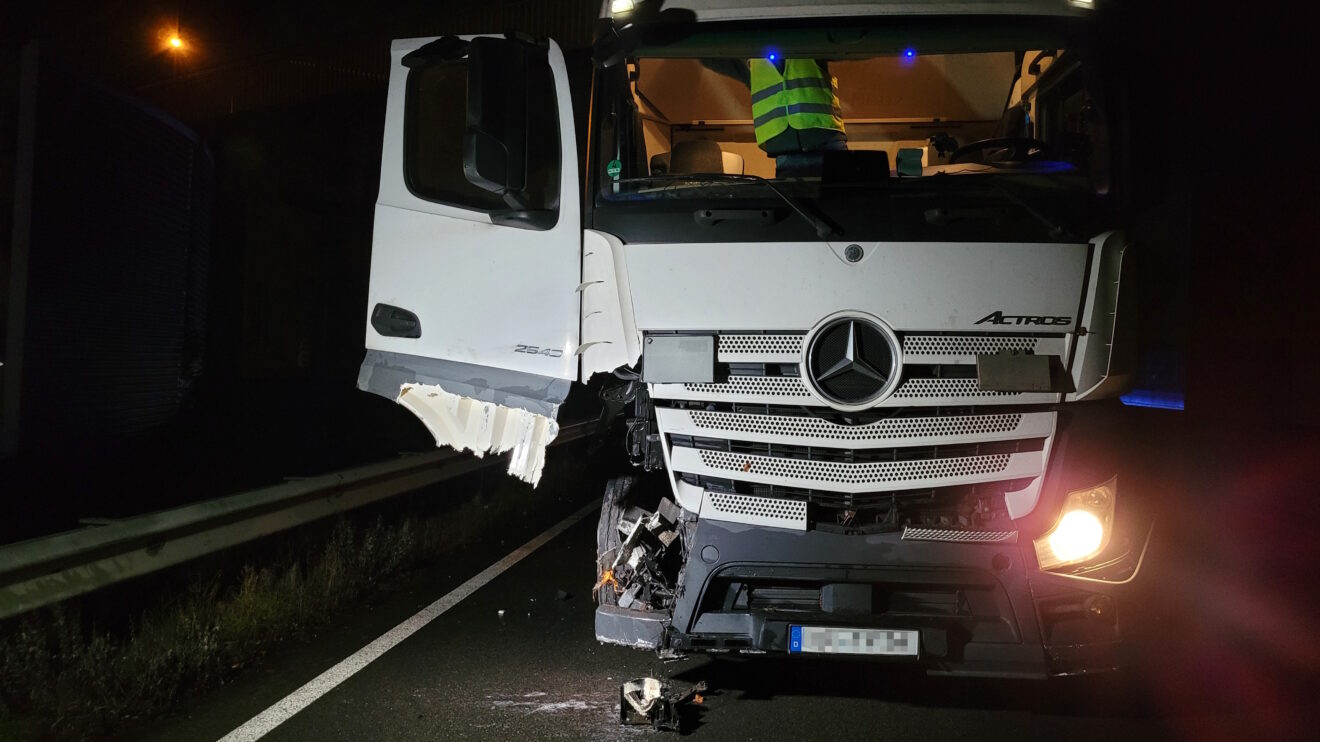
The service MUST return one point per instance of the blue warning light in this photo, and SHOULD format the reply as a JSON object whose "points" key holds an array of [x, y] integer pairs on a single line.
{"points": [[773, 56], [909, 53]]}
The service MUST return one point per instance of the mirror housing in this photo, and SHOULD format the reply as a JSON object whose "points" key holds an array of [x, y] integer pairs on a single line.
{"points": [[495, 142]]}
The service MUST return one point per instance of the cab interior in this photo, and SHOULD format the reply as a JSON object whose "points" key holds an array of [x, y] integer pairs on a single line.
{"points": [[696, 119]]}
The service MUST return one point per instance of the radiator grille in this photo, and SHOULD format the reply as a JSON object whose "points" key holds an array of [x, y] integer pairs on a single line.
{"points": [[944, 389], [955, 535], [964, 345], [899, 428], [761, 344], [792, 387], [778, 386], [764, 507], [915, 345], [941, 452], [761, 511], [841, 473]]}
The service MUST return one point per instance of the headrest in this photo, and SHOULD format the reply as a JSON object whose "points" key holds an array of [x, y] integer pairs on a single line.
{"points": [[696, 156]]}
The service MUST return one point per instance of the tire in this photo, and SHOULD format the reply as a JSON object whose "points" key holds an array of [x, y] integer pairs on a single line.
{"points": [[613, 505]]}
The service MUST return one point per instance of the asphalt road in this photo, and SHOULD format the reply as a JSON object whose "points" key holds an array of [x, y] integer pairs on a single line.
{"points": [[536, 672]]}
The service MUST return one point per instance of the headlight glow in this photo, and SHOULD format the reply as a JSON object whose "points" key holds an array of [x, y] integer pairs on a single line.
{"points": [[1085, 524], [1077, 536]]}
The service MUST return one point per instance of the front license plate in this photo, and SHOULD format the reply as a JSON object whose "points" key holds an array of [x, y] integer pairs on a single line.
{"points": [[827, 640]]}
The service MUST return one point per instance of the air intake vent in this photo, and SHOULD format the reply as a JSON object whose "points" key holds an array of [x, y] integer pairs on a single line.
{"points": [[790, 345], [895, 429], [944, 389], [778, 345], [777, 386], [957, 536], [965, 345], [792, 390], [872, 473], [759, 511]]}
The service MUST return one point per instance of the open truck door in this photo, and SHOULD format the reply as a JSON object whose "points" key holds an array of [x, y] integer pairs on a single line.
{"points": [[473, 309]]}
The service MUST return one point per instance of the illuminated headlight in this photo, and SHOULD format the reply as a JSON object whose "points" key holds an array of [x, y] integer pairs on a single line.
{"points": [[621, 6], [1085, 524]]}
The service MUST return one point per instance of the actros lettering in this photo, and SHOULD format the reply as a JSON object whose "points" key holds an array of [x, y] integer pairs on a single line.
{"points": [[999, 318]]}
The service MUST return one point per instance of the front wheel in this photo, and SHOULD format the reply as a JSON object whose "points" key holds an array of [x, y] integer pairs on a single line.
{"points": [[613, 505]]}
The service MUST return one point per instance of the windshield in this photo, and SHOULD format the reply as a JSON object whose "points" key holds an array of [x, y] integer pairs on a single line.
{"points": [[997, 131]]}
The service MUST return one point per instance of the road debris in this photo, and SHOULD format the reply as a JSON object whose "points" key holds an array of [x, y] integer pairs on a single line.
{"points": [[656, 702], [634, 574], [540, 702]]}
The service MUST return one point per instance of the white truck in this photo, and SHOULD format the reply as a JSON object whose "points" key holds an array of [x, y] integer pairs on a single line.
{"points": [[877, 382]]}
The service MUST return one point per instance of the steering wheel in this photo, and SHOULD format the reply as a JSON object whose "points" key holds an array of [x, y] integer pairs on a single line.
{"points": [[1005, 150]]}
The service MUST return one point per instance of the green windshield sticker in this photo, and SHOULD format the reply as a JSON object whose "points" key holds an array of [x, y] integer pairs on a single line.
{"points": [[613, 169]]}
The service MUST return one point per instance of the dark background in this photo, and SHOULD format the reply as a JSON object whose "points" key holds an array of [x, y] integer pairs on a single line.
{"points": [[287, 109]]}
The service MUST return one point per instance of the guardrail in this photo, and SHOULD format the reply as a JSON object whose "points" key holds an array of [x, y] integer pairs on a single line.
{"points": [[46, 570]]}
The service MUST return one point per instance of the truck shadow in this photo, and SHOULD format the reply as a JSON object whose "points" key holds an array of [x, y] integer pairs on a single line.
{"points": [[1214, 693]]}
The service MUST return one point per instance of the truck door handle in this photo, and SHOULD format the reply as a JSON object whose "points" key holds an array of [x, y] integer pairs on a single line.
{"points": [[395, 322]]}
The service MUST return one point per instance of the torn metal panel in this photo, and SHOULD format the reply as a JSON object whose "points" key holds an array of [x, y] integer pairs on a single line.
{"points": [[473, 408], [472, 425], [385, 373], [609, 332]]}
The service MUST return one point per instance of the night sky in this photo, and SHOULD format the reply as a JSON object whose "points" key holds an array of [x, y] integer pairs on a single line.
{"points": [[126, 42]]}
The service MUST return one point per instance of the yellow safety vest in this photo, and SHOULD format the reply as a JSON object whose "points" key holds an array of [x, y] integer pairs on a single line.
{"points": [[802, 98]]}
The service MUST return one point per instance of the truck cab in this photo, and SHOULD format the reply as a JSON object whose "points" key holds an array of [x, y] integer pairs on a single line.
{"points": [[876, 369]]}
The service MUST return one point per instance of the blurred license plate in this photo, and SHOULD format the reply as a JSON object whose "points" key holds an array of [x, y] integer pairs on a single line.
{"points": [[827, 640]]}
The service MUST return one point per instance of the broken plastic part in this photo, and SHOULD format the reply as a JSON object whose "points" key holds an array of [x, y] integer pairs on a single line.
{"points": [[642, 694], [646, 701], [468, 424], [655, 702], [643, 571]]}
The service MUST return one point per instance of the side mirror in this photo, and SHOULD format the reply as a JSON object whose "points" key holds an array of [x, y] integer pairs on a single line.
{"points": [[495, 142], [612, 43]]}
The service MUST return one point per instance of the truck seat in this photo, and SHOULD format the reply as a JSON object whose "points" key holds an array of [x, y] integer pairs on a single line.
{"points": [[697, 156]]}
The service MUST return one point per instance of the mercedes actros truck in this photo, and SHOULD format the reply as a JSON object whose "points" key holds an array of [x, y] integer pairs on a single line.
{"points": [[877, 376]]}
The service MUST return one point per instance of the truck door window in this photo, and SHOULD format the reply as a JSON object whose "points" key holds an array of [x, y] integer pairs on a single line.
{"points": [[436, 118]]}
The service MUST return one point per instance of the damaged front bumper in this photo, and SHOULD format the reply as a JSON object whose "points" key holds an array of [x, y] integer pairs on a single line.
{"points": [[630, 627], [978, 609]]}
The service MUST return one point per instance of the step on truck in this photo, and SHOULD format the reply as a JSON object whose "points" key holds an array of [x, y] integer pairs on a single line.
{"points": [[877, 371]]}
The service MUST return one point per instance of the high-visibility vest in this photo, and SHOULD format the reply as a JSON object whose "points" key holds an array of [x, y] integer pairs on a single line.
{"points": [[802, 97]]}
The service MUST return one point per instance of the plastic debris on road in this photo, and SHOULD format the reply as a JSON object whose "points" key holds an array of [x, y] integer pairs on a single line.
{"points": [[655, 702]]}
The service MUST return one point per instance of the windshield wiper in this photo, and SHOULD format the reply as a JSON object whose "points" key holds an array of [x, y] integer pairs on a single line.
{"points": [[824, 228], [1056, 229]]}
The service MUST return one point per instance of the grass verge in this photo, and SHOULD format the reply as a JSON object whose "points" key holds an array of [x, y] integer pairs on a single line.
{"points": [[70, 672]]}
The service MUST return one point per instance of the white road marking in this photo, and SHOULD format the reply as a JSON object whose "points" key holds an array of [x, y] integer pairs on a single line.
{"points": [[261, 724]]}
